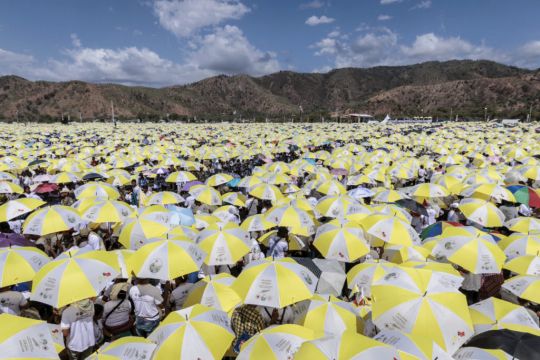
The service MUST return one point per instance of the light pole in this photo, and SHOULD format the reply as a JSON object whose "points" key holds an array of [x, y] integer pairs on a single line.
{"points": [[485, 114]]}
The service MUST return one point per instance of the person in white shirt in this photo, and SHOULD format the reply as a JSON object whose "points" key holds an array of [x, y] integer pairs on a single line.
{"points": [[148, 302], [453, 214], [255, 252], [278, 245], [180, 293], [95, 242], [78, 328], [116, 312]]}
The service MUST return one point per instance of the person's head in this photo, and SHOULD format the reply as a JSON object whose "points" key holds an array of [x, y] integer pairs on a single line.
{"points": [[98, 311], [282, 232], [133, 183]]}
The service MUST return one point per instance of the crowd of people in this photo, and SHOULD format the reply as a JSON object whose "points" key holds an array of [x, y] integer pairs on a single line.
{"points": [[391, 194]]}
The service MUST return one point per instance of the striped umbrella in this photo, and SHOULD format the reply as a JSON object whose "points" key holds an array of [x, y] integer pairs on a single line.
{"points": [[20, 264], [18, 207], [51, 219]]}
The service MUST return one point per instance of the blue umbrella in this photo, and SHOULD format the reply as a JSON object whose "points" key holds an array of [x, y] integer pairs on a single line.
{"points": [[181, 216], [234, 182]]}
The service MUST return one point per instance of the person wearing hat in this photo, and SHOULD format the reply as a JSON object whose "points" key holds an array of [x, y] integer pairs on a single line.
{"points": [[65, 197]]}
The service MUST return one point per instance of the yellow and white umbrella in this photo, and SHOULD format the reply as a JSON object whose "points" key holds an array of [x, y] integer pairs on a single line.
{"points": [[474, 353], [166, 259], [496, 314], [329, 315], [488, 192], [389, 196], [399, 253], [256, 222], [331, 187], [51, 219], [348, 345], [164, 198], [524, 265], [342, 241], [108, 211], [180, 177], [88, 273], [428, 190], [197, 332], [129, 347], [290, 216], [19, 264], [8, 187], [418, 346], [223, 244], [361, 276], [214, 291], [218, 179], [276, 342], [97, 189], [476, 254], [524, 286], [22, 338], [389, 229], [275, 283], [525, 225], [420, 302], [137, 231], [482, 212], [234, 198], [65, 178], [205, 194], [18, 207], [265, 191], [519, 244], [339, 206]]}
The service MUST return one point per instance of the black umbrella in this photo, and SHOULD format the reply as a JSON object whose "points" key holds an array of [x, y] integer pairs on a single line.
{"points": [[412, 205], [522, 346], [92, 176]]}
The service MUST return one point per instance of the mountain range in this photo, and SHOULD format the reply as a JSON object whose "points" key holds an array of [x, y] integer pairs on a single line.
{"points": [[439, 89]]}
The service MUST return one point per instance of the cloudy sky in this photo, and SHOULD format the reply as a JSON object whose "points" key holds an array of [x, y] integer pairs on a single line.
{"points": [[165, 42]]}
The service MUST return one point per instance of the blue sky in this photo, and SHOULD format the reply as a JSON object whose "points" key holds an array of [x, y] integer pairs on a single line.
{"points": [[165, 42]]}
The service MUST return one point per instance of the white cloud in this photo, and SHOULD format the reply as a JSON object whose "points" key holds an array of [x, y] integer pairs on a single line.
{"points": [[314, 20], [75, 40], [184, 17], [529, 54], [15, 63], [432, 47], [315, 4], [386, 2], [384, 17], [381, 46], [425, 4], [228, 51]]}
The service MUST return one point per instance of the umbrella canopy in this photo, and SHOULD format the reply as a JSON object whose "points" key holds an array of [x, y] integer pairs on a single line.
{"points": [[264, 345], [275, 283], [524, 265], [8, 187], [348, 345], [97, 189], [520, 244], [197, 332], [342, 241], [524, 225], [421, 303], [123, 348], [214, 291], [51, 220], [89, 273], [205, 194], [164, 198], [482, 212], [328, 314], [223, 244], [475, 353], [389, 229], [495, 314], [519, 345], [20, 331], [291, 216], [218, 179], [107, 211], [137, 232], [15, 208], [363, 275], [524, 286], [475, 254], [265, 191], [20, 264], [525, 195], [180, 177], [166, 259]]}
